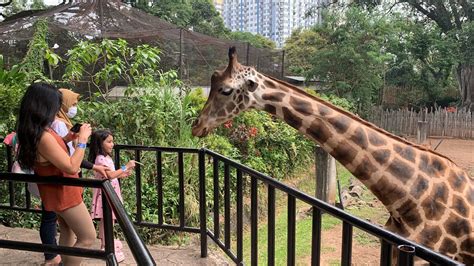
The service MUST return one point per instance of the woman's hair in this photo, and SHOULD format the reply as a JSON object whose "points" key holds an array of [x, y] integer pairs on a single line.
{"points": [[95, 147], [38, 108]]}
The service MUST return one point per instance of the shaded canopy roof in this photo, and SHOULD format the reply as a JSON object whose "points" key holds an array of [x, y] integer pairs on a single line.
{"points": [[92, 19]]}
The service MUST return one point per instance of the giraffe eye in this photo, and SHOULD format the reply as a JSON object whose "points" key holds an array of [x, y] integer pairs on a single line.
{"points": [[225, 92]]}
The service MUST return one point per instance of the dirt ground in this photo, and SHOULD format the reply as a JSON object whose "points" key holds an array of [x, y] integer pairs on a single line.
{"points": [[367, 253]]}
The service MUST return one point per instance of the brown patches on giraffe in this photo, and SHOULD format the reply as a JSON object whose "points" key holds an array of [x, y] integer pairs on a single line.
{"points": [[387, 192], [319, 131], [401, 170], [408, 210], [340, 123], [359, 137], [448, 246], [344, 152], [273, 96], [430, 235], [457, 226], [419, 187], [301, 106], [289, 117], [364, 170]]}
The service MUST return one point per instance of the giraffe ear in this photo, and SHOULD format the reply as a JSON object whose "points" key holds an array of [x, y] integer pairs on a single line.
{"points": [[251, 84]]}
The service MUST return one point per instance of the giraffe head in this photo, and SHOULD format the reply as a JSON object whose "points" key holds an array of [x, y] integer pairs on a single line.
{"points": [[232, 91]]}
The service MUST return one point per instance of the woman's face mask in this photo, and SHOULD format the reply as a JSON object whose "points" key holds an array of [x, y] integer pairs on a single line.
{"points": [[72, 112]]}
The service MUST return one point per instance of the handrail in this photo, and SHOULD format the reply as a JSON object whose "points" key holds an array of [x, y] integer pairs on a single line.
{"points": [[139, 250], [420, 251]]}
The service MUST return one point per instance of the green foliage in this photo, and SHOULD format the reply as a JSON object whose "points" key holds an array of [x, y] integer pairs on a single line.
{"points": [[300, 47], [256, 40], [33, 62], [112, 60], [197, 15], [350, 57], [12, 86]]}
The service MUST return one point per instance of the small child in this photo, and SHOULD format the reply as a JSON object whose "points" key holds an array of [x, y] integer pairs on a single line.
{"points": [[101, 147]]}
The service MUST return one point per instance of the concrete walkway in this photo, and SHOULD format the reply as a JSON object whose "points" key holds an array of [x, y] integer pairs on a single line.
{"points": [[163, 255]]}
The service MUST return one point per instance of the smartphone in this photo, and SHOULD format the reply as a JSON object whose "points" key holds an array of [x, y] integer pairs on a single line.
{"points": [[76, 128]]}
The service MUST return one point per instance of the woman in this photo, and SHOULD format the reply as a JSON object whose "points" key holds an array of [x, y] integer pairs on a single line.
{"points": [[44, 151], [62, 125]]}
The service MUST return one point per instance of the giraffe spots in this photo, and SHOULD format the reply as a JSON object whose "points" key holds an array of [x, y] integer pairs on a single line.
{"points": [[246, 99], [438, 165], [324, 111], [460, 206], [468, 246], [344, 153], [433, 209], [386, 191], [359, 138], [440, 193], [470, 196], [401, 170], [448, 246], [407, 152], [240, 98], [340, 123], [301, 106], [432, 168], [381, 156], [274, 96], [230, 107], [269, 84], [270, 108], [376, 139], [457, 182], [365, 169], [395, 226], [457, 226], [222, 113], [291, 118], [259, 76], [430, 235], [319, 131], [419, 187], [409, 212]]}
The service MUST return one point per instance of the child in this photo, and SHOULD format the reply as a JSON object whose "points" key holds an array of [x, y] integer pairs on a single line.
{"points": [[101, 147]]}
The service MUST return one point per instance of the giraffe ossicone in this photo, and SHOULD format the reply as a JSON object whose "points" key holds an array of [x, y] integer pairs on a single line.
{"points": [[430, 199]]}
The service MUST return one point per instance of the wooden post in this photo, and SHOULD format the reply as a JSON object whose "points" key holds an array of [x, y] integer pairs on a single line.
{"points": [[421, 132], [325, 176]]}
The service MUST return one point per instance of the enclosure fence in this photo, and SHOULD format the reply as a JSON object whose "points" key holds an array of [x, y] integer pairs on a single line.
{"points": [[225, 189], [440, 122]]}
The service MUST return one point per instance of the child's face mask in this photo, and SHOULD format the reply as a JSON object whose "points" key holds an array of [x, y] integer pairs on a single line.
{"points": [[72, 112]]}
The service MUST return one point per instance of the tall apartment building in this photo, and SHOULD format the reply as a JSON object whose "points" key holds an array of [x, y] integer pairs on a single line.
{"points": [[219, 5], [274, 19]]}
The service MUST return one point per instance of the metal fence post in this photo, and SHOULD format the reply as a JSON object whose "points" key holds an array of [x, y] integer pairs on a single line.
{"points": [[108, 231], [202, 202], [405, 255]]}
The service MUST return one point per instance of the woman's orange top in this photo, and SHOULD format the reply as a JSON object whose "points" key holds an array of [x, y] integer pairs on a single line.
{"points": [[57, 197]]}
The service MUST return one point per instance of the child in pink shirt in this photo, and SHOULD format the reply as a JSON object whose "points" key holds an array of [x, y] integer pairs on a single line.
{"points": [[101, 147]]}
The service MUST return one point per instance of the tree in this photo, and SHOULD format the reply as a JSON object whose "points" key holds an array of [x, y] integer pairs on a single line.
{"points": [[350, 55], [300, 47], [455, 19], [256, 40]]}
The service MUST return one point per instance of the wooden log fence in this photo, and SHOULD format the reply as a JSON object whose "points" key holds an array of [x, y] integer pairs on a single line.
{"points": [[441, 122]]}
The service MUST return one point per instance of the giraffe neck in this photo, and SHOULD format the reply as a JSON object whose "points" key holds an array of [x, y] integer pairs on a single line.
{"points": [[380, 160]]}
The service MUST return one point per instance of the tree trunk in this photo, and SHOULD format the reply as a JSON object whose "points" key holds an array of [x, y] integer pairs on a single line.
{"points": [[465, 75]]}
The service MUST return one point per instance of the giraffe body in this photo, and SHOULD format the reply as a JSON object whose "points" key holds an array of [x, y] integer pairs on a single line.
{"points": [[429, 198]]}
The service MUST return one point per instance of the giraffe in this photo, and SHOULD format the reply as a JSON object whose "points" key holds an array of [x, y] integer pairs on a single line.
{"points": [[429, 198]]}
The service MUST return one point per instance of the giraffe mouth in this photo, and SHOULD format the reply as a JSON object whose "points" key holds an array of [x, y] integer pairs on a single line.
{"points": [[199, 132]]}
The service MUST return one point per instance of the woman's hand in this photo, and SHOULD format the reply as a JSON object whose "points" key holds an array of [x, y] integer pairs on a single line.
{"points": [[101, 169], [84, 133]]}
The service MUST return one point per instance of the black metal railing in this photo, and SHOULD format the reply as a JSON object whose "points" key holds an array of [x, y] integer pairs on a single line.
{"points": [[234, 175], [139, 250]]}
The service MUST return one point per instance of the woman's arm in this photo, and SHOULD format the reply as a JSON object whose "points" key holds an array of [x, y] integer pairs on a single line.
{"points": [[50, 150]]}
